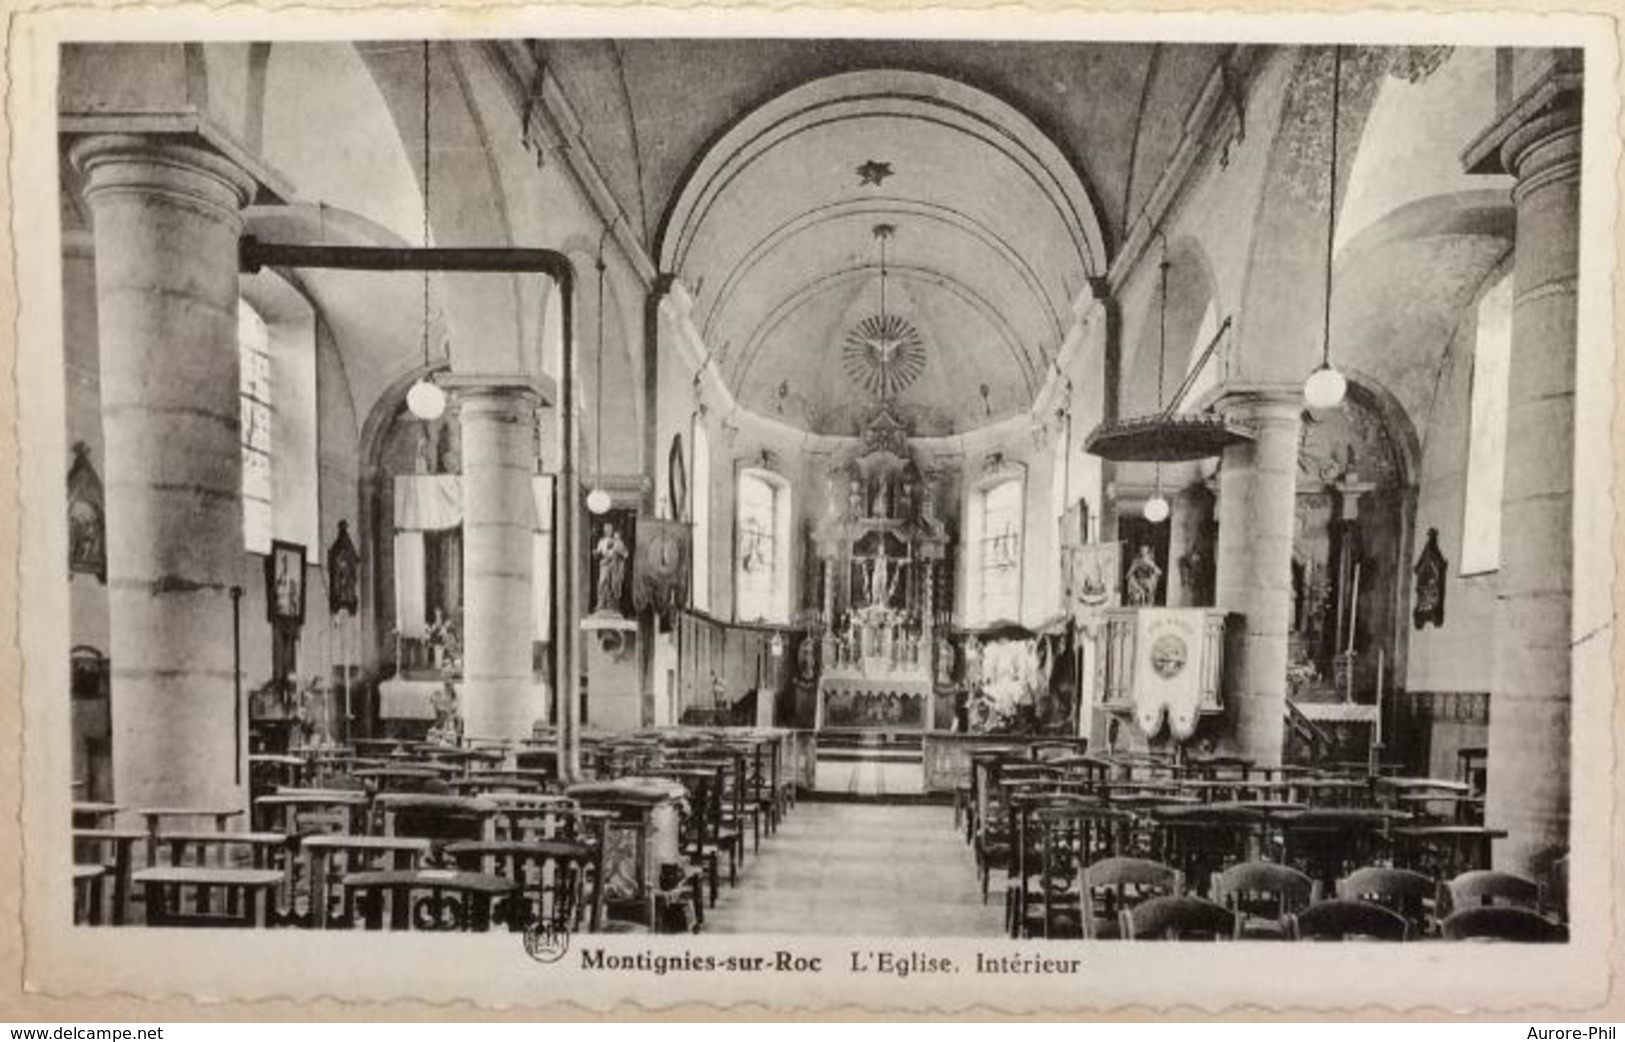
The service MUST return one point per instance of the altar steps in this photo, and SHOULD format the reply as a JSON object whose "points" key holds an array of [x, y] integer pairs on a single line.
{"points": [[880, 766]]}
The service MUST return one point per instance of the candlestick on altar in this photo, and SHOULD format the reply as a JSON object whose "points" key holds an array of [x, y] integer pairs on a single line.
{"points": [[1354, 604], [1377, 729]]}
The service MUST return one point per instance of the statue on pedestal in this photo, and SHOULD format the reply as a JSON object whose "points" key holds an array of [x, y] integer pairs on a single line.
{"points": [[612, 556], [1141, 581]]}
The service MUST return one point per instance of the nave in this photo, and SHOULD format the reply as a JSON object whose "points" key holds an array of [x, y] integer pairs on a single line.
{"points": [[869, 486]]}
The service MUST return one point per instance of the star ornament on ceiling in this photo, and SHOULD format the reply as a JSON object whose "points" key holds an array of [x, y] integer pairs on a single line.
{"points": [[873, 172]]}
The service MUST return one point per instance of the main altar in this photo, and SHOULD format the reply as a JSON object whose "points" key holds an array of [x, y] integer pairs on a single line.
{"points": [[883, 554]]}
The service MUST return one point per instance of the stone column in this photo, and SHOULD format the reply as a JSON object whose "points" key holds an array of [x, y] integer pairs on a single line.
{"points": [[1257, 490], [1530, 726], [500, 698], [167, 219]]}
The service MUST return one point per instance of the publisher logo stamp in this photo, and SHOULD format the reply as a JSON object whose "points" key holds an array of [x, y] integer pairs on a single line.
{"points": [[546, 942]]}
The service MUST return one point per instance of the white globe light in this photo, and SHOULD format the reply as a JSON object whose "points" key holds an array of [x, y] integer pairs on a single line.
{"points": [[598, 501], [426, 401], [1325, 388], [1156, 509]]}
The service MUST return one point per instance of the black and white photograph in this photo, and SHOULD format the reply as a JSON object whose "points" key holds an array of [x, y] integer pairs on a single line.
{"points": [[1103, 480]]}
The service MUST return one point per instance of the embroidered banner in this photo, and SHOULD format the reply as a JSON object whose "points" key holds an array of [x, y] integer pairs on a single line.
{"points": [[1167, 674]]}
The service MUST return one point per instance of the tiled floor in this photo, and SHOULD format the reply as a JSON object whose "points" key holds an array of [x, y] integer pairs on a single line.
{"points": [[860, 869]]}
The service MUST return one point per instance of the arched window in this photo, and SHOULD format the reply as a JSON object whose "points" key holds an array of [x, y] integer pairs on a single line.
{"points": [[700, 505], [1487, 438], [762, 548], [254, 395], [276, 344], [996, 518]]}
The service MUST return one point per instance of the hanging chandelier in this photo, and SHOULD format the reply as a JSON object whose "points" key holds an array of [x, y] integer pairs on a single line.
{"points": [[1167, 435], [425, 399], [1326, 387], [884, 353]]}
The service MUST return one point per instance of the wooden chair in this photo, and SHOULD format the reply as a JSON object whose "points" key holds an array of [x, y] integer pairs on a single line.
{"points": [[1262, 894], [1111, 885], [1503, 923], [114, 851], [1176, 919], [549, 876], [1328, 843], [1341, 919], [1203, 840], [1062, 834], [87, 894], [1411, 895], [186, 896], [328, 859], [1485, 887], [439, 819], [429, 900]]}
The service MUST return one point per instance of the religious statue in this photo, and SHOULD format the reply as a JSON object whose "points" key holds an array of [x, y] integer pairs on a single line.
{"points": [[445, 453], [87, 528], [426, 452], [442, 638], [1431, 569], [880, 580], [343, 572], [447, 728], [612, 556], [1141, 581], [881, 504], [807, 659], [1196, 574], [306, 730]]}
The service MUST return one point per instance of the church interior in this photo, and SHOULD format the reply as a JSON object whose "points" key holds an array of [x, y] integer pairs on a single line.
{"points": [[982, 488]]}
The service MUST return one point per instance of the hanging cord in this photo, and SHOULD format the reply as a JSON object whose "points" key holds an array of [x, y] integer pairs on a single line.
{"points": [[426, 174], [1162, 340], [883, 284], [598, 409], [1331, 204]]}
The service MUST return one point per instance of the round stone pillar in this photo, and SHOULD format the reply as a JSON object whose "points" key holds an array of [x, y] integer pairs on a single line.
{"points": [[1257, 500], [167, 218], [1530, 727], [500, 698]]}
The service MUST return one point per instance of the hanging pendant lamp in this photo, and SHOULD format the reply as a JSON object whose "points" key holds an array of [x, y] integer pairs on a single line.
{"points": [[1326, 387], [425, 399]]}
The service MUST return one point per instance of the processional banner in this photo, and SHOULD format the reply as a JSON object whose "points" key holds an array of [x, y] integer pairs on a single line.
{"points": [[1167, 674]]}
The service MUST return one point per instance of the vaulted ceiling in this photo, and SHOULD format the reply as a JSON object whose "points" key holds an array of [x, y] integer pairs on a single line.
{"points": [[758, 171]]}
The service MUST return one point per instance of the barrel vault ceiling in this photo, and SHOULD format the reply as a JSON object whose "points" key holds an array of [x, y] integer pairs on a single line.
{"points": [[1004, 174]]}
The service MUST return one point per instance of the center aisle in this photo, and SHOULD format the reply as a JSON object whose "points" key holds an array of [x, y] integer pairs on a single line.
{"points": [[861, 869]]}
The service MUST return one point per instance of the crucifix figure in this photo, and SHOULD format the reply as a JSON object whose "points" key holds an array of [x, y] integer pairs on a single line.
{"points": [[881, 579]]}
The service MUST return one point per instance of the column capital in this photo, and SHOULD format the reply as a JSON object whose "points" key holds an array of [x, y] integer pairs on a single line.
{"points": [[1260, 402], [1538, 135], [150, 165], [492, 390]]}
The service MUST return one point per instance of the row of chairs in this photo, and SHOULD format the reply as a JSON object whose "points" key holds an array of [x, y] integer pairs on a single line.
{"points": [[1266, 899]]}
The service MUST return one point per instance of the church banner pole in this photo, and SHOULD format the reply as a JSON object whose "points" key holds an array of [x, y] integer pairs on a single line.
{"points": [[237, 680]]}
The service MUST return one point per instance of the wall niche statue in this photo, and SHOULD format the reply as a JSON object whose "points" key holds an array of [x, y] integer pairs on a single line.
{"points": [[1431, 569], [87, 517], [343, 572]]}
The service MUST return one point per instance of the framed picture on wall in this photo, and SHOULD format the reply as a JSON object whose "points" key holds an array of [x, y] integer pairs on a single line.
{"points": [[285, 584]]}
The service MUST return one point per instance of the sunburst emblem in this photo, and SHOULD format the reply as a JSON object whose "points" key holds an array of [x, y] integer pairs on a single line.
{"points": [[883, 355]]}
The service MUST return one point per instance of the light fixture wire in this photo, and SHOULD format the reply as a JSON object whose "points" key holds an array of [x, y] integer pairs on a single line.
{"points": [[426, 183], [1331, 204]]}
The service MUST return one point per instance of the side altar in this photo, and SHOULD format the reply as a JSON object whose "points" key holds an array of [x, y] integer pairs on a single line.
{"points": [[883, 554]]}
